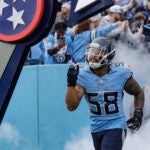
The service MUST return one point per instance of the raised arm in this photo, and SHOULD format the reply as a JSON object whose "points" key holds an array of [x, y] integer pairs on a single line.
{"points": [[103, 31], [74, 96], [74, 91]]}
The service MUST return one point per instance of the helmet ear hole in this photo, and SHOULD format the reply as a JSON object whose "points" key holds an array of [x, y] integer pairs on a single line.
{"points": [[111, 56]]}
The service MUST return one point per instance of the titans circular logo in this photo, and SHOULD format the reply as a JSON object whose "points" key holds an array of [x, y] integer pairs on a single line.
{"points": [[19, 18]]}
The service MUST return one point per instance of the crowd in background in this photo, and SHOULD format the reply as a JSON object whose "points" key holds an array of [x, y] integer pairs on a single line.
{"points": [[127, 21]]}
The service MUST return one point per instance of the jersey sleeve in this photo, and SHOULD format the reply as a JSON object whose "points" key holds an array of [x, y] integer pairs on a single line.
{"points": [[127, 74], [103, 31], [83, 78]]}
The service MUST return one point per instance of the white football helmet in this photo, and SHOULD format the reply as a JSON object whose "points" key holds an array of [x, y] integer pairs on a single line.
{"points": [[100, 52]]}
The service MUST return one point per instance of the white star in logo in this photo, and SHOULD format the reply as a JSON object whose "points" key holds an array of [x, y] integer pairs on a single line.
{"points": [[16, 18], [16, 0], [2, 5]]}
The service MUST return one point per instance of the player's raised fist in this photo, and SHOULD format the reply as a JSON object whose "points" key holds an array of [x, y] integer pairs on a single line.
{"points": [[72, 74]]}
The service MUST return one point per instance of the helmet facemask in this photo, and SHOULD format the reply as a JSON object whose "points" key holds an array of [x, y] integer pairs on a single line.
{"points": [[98, 55]]}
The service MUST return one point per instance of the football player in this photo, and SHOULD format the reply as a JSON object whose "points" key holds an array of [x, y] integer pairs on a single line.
{"points": [[103, 85]]}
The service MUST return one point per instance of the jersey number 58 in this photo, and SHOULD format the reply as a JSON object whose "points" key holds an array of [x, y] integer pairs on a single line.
{"points": [[107, 103]]}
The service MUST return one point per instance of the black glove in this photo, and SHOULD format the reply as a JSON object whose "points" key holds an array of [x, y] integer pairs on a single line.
{"points": [[136, 121], [72, 75]]}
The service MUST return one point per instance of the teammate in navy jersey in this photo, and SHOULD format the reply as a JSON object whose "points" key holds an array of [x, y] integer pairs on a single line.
{"points": [[103, 85]]}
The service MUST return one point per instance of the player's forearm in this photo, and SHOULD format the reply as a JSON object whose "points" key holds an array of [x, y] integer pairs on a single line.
{"points": [[139, 100], [72, 99]]}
